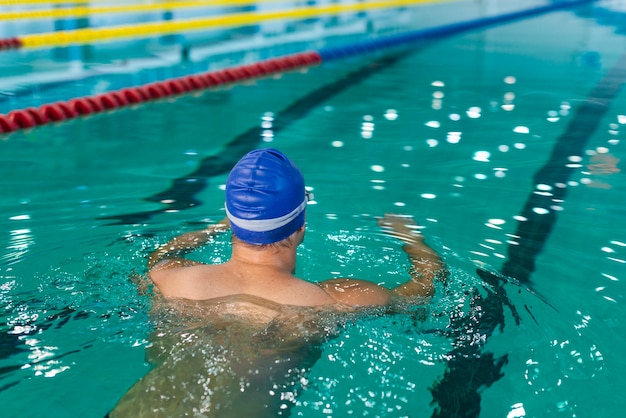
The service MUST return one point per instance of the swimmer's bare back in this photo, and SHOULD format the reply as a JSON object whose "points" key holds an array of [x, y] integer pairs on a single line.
{"points": [[234, 356], [266, 271], [241, 319]]}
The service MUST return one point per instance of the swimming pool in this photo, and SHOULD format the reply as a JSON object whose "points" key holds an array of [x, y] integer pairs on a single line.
{"points": [[455, 131]]}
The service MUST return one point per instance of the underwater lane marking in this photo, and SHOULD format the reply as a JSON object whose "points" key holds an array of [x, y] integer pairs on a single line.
{"points": [[471, 370], [535, 230]]}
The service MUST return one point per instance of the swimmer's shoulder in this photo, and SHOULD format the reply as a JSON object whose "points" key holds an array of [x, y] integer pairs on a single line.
{"points": [[198, 281], [185, 279], [356, 293]]}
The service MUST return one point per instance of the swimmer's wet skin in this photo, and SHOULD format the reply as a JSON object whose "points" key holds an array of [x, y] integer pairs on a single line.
{"points": [[265, 206]]}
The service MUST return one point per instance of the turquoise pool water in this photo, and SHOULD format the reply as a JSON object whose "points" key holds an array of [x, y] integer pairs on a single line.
{"points": [[452, 132]]}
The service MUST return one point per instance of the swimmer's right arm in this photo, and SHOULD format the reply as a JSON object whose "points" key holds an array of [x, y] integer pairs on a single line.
{"points": [[173, 251]]}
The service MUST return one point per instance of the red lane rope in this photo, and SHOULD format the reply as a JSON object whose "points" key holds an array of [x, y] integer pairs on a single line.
{"points": [[84, 106], [10, 43]]}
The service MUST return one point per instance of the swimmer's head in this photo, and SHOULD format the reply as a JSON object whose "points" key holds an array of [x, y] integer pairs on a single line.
{"points": [[265, 197]]}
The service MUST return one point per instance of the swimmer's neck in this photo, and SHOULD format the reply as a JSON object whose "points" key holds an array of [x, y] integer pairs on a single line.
{"points": [[280, 259]]}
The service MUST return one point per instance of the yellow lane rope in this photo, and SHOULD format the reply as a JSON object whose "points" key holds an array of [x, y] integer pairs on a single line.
{"points": [[90, 35], [30, 3], [158, 6], [51, 2]]}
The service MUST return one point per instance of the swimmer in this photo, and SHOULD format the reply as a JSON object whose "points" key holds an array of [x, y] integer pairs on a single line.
{"points": [[255, 299], [265, 207]]}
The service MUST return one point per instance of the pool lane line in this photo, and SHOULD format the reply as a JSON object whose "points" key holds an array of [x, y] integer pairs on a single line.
{"points": [[538, 211], [77, 107], [105, 34], [149, 29], [470, 369], [10, 43], [445, 30], [181, 194], [89, 10], [131, 96], [31, 3]]}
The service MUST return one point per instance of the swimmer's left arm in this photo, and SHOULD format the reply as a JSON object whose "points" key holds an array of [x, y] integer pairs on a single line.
{"points": [[171, 254], [427, 265]]}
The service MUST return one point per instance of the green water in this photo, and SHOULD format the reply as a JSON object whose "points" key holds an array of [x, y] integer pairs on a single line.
{"points": [[75, 329]]}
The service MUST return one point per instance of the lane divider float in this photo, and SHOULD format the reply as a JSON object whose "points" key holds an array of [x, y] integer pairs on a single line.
{"points": [[59, 111], [10, 43], [90, 9], [158, 28], [48, 3], [84, 106]]}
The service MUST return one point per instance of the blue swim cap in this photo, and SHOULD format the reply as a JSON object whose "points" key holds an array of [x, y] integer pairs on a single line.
{"points": [[265, 197]]}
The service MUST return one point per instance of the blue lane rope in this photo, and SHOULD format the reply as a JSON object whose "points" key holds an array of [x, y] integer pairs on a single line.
{"points": [[329, 54]]}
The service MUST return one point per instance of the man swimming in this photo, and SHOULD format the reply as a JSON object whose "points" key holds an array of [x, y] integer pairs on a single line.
{"points": [[265, 207], [259, 320]]}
